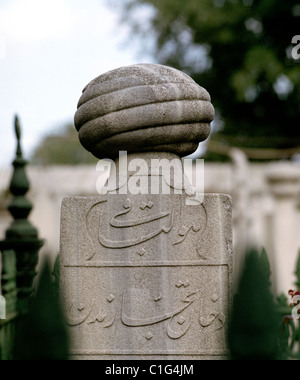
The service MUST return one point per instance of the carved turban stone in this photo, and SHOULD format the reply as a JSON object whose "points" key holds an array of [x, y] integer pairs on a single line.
{"points": [[142, 108]]}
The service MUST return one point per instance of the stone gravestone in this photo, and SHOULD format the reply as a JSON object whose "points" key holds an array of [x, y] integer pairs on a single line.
{"points": [[2, 307], [146, 266]]}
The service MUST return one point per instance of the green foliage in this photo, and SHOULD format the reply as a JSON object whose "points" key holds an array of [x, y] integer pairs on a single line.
{"points": [[240, 50], [254, 324], [290, 326], [62, 148], [265, 265], [41, 334]]}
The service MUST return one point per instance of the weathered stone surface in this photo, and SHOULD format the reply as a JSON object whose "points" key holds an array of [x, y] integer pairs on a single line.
{"points": [[144, 107], [146, 276]]}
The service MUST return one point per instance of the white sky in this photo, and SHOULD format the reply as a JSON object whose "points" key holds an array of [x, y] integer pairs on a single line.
{"points": [[49, 51]]}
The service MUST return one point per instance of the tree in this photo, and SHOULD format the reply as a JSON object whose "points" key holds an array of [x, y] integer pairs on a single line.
{"points": [[41, 333], [61, 148], [254, 323], [241, 52]]}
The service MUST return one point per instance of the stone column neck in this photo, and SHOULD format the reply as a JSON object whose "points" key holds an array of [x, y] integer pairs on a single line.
{"points": [[147, 173], [284, 181]]}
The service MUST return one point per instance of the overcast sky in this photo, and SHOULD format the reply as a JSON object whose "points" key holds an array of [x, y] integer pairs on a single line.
{"points": [[49, 51]]}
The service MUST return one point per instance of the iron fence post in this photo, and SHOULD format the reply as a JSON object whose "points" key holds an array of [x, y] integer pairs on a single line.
{"points": [[21, 237]]}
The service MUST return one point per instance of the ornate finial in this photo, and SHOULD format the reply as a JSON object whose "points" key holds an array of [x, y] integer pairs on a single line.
{"points": [[20, 207], [21, 236], [143, 108], [18, 135], [19, 183]]}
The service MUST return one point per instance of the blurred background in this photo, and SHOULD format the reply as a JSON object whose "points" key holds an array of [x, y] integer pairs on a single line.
{"points": [[242, 51]]}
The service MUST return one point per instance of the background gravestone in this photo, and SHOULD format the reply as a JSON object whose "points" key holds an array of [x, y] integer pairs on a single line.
{"points": [[2, 307], [146, 274]]}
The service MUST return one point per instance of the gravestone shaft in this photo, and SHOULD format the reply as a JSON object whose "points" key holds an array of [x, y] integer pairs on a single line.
{"points": [[146, 266]]}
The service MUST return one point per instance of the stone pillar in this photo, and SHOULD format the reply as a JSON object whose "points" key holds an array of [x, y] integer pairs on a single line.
{"points": [[284, 182], [241, 213], [146, 267]]}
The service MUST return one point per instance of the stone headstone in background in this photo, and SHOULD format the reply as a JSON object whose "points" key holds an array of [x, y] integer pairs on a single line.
{"points": [[146, 267], [2, 307]]}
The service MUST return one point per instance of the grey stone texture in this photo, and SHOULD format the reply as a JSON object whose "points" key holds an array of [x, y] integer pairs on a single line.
{"points": [[146, 276], [143, 107]]}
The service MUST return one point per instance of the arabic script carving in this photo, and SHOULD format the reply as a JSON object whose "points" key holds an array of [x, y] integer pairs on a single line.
{"points": [[134, 223], [115, 223], [179, 318]]}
